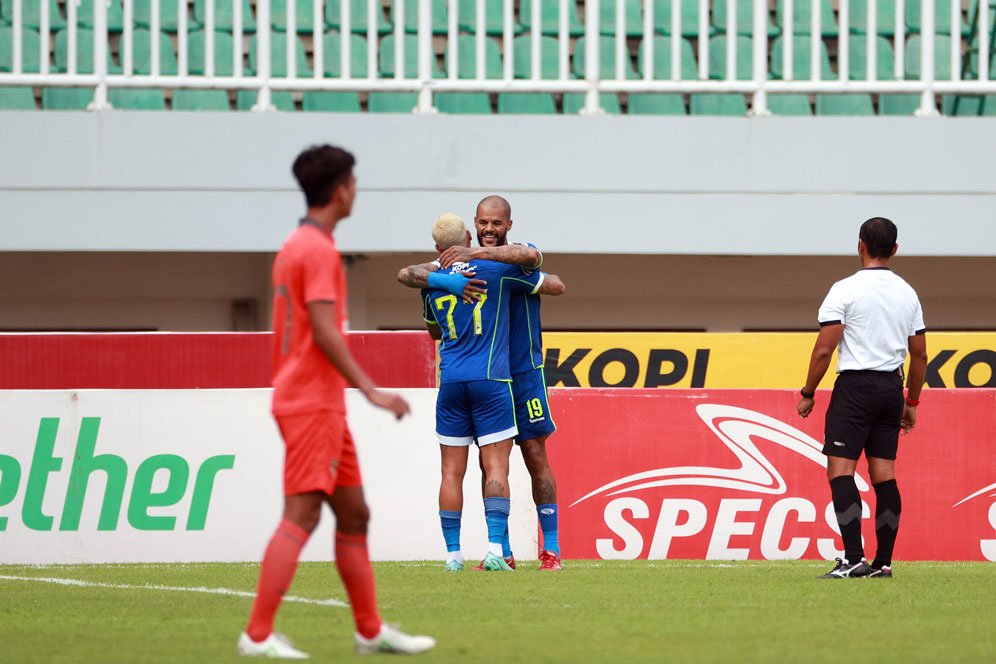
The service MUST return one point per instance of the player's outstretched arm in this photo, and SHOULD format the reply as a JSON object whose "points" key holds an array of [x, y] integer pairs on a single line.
{"points": [[332, 344], [426, 275], [552, 285], [416, 276], [826, 342], [513, 254]]}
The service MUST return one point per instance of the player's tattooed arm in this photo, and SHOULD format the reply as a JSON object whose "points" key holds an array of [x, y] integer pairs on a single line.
{"points": [[513, 254], [416, 276], [552, 285]]}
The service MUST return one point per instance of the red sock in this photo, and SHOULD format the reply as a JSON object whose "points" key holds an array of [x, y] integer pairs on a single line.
{"points": [[353, 562], [275, 576]]}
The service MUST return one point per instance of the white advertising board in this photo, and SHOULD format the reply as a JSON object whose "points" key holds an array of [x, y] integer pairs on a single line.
{"points": [[95, 476]]}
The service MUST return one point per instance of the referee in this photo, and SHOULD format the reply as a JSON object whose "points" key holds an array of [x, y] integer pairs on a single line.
{"points": [[873, 317]]}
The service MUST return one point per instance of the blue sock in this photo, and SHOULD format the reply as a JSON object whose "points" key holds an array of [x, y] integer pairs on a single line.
{"points": [[548, 524], [451, 529], [496, 514], [506, 545]]}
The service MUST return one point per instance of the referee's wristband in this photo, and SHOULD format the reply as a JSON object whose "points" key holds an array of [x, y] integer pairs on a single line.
{"points": [[807, 395], [913, 403]]}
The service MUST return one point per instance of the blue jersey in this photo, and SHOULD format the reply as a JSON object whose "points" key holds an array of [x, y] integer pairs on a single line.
{"points": [[525, 341], [474, 343]]}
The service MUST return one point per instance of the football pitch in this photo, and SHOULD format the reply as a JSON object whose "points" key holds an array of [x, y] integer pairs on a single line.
{"points": [[662, 611]]}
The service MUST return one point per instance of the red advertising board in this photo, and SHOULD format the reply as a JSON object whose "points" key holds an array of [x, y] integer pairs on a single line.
{"points": [[737, 474], [173, 361]]}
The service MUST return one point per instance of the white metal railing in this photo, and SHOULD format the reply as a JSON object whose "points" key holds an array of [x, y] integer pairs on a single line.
{"points": [[595, 81]]}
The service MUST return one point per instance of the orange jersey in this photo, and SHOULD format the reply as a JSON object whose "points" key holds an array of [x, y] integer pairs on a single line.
{"points": [[307, 269]]}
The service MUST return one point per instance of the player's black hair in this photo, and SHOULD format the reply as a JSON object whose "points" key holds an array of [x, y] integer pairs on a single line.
{"points": [[879, 235], [319, 169]]}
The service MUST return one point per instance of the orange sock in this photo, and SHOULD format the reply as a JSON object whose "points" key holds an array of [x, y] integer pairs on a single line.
{"points": [[353, 562], [275, 576]]}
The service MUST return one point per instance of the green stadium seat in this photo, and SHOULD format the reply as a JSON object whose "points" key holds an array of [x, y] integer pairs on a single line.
{"points": [[168, 19], [942, 57], [856, 104], [464, 103], [331, 102], [17, 99], [574, 102], [689, 18], [278, 56], [223, 15], [898, 104], [632, 17], [84, 53], [662, 59], [656, 103], [789, 104], [550, 17], [304, 16], [968, 105], [717, 57], [467, 58], [30, 50], [802, 18], [745, 18], [718, 103], [392, 102], [607, 59], [522, 57], [31, 14], [526, 103], [201, 100], [494, 17], [137, 99], [801, 59], [332, 55], [66, 99], [223, 58], [282, 100], [142, 53], [357, 16], [115, 15], [942, 17], [410, 46], [440, 21], [885, 17]]}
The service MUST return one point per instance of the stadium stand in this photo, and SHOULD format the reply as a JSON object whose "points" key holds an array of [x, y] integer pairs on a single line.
{"points": [[703, 57]]}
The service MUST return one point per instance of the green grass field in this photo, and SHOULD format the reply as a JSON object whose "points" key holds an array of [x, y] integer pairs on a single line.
{"points": [[674, 611]]}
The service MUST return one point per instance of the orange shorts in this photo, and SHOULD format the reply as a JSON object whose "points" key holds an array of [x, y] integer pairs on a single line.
{"points": [[319, 453]]}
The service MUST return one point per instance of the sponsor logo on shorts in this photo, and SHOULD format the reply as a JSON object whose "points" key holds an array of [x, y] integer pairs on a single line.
{"points": [[839, 444]]}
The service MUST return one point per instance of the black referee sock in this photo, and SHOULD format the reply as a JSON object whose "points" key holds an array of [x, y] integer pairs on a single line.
{"points": [[847, 505], [888, 507]]}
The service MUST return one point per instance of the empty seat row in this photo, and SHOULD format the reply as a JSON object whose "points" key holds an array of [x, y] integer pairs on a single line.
{"points": [[494, 20]]}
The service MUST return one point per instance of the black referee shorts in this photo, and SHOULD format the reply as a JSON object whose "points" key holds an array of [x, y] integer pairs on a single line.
{"points": [[864, 414]]}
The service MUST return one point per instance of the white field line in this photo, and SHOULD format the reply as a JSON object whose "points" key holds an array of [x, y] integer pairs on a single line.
{"points": [[226, 592]]}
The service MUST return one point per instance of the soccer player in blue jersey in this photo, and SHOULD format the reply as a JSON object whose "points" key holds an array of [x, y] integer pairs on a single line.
{"points": [[492, 222], [475, 397]]}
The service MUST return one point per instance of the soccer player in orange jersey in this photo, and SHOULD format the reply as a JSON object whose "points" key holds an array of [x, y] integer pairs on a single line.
{"points": [[312, 367]]}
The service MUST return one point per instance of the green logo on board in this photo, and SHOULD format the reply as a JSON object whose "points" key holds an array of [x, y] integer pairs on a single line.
{"points": [[86, 462]]}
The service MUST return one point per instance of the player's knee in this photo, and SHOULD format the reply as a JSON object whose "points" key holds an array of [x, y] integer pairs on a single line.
{"points": [[355, 520]]}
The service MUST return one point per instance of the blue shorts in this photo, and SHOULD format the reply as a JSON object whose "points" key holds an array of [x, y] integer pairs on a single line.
{"points": [[532, 408], [478, 411]]}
